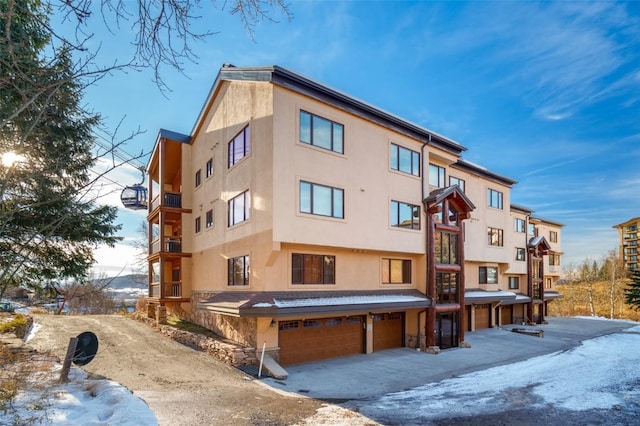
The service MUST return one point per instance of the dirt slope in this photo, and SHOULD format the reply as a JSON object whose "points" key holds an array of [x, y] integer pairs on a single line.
{"points": [[182, 386]]}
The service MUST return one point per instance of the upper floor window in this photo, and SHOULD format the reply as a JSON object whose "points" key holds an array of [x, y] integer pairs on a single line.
{"points": [[321, 200], [495, 237], [494, 198], [514, 283], [208, 170], [547, 283], [532, 230], [446, 248], [436, 176], [553, 236], [405, 215], [239, 147], [446, 287], [554, 259], [320, 132], [313, 269], [239, 208], [208, 223], [488, 274], [404, 160], [198, 179], [520, 253], [518, 225], [197, 225], [238, 270], [456, 181], [396, 271]]}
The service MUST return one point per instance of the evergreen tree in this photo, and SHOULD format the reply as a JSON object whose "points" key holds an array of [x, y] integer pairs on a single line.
{"points": [[632, 292]]}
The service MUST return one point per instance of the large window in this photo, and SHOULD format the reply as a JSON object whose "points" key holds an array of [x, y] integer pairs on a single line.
{"points": [[494, 199], [208, 222], [520, 253], [514, 283], [313, 269], [239, 147], [518, 225], [495, 237], [488, 274], [239, 208], [446, 248], [321, 200], [446, 287], [396, 271], [456, 181], [405, 215], [238, 270], [320, 132], [437, 176], [404, 160]]}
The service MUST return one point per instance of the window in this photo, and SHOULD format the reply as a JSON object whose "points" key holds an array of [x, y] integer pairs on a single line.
{"points": [[532, 231], [456, 181], [197, 224], [436, 176], [547, 283], [239, 207], [494, 199], [520, 253], [396, 271], [238, 270], [488, 274], [446, 248], [554, 260], [495, 236], [514, 283], [208, 222], [239, 147], [553, 236], [313, 269], [405, 215], [519, 225], [198, 178], [404, 160], [321, 200], [446, 287], [208, 170], [320, 132]]}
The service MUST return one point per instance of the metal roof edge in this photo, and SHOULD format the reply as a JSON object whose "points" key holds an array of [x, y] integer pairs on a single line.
{"points": [[472, 167]]}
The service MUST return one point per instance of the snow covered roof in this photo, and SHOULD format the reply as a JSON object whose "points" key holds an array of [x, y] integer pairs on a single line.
{"points": [[488, 296]]}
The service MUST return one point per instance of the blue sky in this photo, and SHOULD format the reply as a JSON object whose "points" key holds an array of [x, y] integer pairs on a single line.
{"points": [[546, 93]]}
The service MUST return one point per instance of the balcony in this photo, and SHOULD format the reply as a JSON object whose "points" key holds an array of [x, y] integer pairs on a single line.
{"points": [[171, 199], [172, 289], [169, 245]]}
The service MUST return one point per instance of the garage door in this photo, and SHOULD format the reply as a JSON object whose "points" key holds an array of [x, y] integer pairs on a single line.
{"points": [[316, 339], [388, 331], [482, 316], [506, 314]]}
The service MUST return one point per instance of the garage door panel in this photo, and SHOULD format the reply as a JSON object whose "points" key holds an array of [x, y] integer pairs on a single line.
{"points": [[482, 316], [388, 331], [506, 315]]}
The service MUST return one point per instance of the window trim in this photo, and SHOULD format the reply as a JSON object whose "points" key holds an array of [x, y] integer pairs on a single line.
{"points": [[246, 196], [394, 153], [333, 123], [406, 268], [335, 192]]}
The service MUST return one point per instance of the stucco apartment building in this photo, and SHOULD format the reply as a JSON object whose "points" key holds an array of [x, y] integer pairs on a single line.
{"points": [[628, 234], [298, 217]]}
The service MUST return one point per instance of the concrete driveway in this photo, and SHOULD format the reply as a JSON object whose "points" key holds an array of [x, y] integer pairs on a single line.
{"points": [[394, 370]]}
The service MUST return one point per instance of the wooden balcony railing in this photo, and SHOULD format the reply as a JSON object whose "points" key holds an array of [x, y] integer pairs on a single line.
{"points": [[171, 289], [170, 245]]}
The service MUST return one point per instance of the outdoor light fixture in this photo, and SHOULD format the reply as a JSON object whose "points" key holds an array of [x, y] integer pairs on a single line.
{"points": [[273, 323]]}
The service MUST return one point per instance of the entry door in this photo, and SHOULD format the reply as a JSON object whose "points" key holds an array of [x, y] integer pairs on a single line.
{"points": [[447, 330]]}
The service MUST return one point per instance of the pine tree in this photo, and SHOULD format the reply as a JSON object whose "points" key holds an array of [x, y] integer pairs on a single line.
{"points": [[632, 292]]}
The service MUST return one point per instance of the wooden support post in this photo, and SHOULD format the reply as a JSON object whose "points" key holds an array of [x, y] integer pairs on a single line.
{"points": [[66, 366]]}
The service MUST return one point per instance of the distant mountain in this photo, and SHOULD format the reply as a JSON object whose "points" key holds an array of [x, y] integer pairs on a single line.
{"points": [[126, 281]]}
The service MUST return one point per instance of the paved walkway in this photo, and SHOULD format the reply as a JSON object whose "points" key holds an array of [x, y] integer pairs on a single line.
{"points": [[393, 370]]}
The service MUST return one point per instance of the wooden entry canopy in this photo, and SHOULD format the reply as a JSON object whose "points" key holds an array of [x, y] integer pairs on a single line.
{"points": [[446, 208]]}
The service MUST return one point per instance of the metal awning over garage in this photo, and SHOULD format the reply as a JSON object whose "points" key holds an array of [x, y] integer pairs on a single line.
{"points": [[294, 303], [482, 296]]}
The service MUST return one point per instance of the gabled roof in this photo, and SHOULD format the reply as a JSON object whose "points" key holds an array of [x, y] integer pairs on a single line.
{"points": [[539, 242], [455, 196], [303, 85], [628, 222]]}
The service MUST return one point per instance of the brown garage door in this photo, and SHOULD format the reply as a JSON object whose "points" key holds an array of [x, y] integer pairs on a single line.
{"points": [[316, 339], [388, 331], [482, 316], [506, 314]]}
